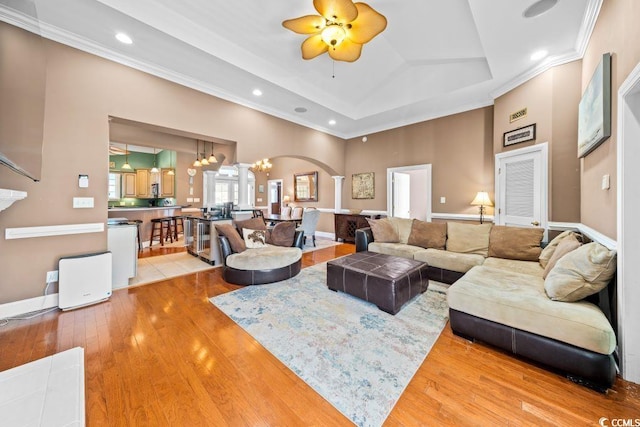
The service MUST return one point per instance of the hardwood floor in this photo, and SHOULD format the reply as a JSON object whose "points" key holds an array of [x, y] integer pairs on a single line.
{"points": [[161, 354]]}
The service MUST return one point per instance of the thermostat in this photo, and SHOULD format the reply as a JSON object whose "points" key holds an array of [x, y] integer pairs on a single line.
{"points": [[83, 181]]}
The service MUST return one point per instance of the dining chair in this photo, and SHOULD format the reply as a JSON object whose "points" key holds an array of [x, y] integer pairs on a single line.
{"points": [[309, 223], [297, 212], [286, 211]]}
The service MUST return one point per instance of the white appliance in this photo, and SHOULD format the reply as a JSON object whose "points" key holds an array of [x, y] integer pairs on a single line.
{"points": [[84, 280], [121, 242]]}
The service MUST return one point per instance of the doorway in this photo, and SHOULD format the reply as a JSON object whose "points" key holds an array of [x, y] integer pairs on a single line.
{"points": [[521, 187], [628, 198], [274, 196], [409, 192]]}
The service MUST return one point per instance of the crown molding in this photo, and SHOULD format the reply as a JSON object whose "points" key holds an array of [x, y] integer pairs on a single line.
{"points": [[584, 35]]}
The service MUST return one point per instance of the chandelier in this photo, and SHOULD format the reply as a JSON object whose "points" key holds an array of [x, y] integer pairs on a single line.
{"points": [[263, 165], [341, 30]]}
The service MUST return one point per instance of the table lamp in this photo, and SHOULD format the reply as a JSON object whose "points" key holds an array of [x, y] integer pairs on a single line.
{"points": [[482, 199]]}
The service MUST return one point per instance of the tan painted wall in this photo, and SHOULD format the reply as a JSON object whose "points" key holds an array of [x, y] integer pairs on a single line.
{"points": [[459, 147], [552, 101], [617, 31], [82, 92]]}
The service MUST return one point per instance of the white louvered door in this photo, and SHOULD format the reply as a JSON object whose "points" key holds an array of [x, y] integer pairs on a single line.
{"points": [[521, 187]]}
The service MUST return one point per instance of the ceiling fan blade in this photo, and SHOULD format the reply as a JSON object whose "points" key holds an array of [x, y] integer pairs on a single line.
{"points": [[347, 51], [367, 25], [313, 46], [342, 11], [309, 24]]}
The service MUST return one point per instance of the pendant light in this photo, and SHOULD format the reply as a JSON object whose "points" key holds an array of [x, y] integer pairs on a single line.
{"points": [[171, 171], [154, 169], [204, 161], [126, 165], [197, 163], [212, 158]]}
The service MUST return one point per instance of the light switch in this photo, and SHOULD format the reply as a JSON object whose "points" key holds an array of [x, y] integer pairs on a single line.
{"points": [[189, 199], [82, 202], [606, 182], [258, 200], [196, 199], [443, 200]]}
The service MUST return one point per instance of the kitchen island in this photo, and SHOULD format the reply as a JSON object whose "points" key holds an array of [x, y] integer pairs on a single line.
{"points": [[144, 214]]}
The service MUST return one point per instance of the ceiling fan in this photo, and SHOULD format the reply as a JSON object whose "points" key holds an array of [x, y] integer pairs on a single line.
{"points": [[341, 30]]}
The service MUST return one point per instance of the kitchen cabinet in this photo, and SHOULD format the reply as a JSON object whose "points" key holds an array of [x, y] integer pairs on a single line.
{"points": [[167, 183], [129, 184], [143, 183]]}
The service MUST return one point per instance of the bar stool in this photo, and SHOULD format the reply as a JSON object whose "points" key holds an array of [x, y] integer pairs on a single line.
{"points": [[138, 224], [161, 228], [178, 221]]}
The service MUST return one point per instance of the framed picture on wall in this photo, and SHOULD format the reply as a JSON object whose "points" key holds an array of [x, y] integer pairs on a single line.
{"points": [[363, 185], [516, 136], [594, 110]]}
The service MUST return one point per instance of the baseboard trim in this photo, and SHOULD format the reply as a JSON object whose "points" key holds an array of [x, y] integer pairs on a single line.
{"points": [[18, 308], [325, 234]]}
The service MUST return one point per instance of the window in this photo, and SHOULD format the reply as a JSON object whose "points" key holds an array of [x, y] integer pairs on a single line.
{"points": [[114, 186]]}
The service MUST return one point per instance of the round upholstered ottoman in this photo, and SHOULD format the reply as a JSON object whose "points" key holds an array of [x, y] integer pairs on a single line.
{"points": [[262, 265]]}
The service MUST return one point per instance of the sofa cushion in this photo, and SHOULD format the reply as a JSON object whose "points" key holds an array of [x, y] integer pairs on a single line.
{"points": [[468, 238], [254, 238], [452, 261], [564, 247], [397, 249], [547, 251], [402, 227], [383, 231], [283, 234], [515, 242], [580, 273], [231, 233], [266, 258], [519, 301], [252, 223], [428, 234], [517, 266]]}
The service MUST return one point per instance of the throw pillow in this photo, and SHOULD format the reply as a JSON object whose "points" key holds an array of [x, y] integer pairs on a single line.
{"points": [[282, 234], [582, 272], [428, 234], [468, 238], [254, 238], [517, 243], [252, 223], [383, 231], [564, 247], [231, 233], [402, 227], [548, 250]]}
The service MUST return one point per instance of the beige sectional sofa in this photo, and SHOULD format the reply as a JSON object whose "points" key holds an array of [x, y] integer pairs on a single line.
{"points": [[551, 305]]}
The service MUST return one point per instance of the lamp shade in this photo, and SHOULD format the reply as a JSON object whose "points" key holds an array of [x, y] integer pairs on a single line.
{"points": [[286, 199], [482, 199]]}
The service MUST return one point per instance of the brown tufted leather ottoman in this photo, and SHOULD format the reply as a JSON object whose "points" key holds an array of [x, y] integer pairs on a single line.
{"points": [[384, 280]]}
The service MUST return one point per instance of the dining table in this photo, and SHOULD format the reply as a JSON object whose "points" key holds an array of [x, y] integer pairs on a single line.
{"points": [[274, 218]]}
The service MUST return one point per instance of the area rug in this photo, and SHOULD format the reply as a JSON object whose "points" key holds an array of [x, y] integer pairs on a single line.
{"points": [[357, 357]]}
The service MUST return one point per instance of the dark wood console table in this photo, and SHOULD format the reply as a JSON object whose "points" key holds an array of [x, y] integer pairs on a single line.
{"points": [[347, 224]]}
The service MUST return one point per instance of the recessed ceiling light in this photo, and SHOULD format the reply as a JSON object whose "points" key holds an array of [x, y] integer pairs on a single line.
{"points": [[332, 122], [539, 55], [300, 110], [123, 38], [257, 92], [538, 8]]}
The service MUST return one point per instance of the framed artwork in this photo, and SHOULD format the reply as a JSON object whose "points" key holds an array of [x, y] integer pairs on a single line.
{"points": [[594, 110], [516, 136], [363, 185]]}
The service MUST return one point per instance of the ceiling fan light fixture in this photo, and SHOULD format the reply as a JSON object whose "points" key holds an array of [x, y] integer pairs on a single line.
{"points": [[341, 30]]}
